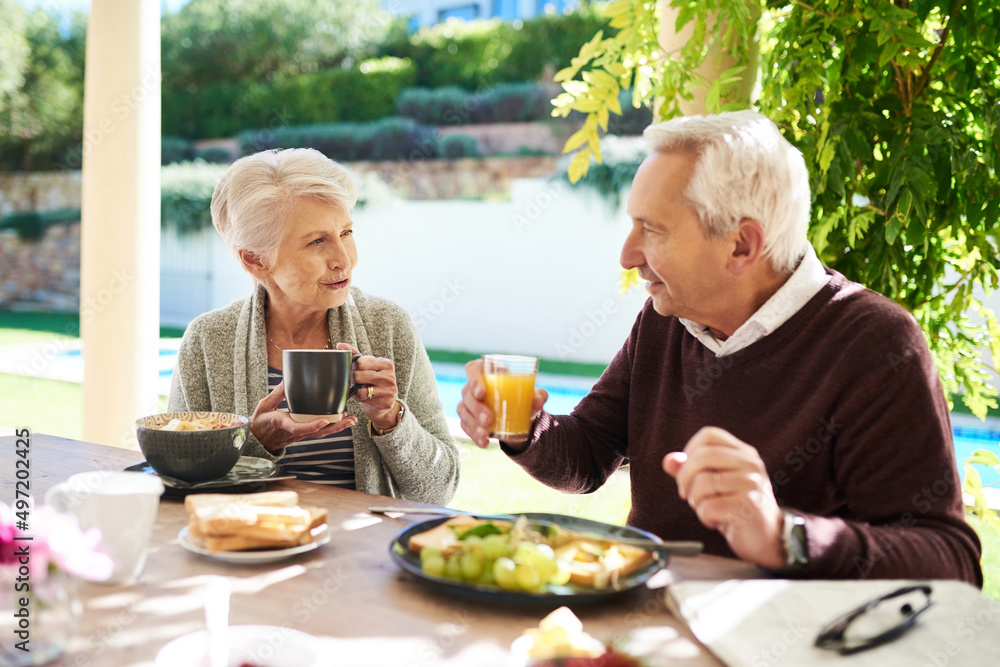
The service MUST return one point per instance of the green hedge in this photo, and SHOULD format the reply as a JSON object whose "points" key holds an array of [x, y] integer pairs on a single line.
{"points": [[455, 146], [30, 225], [632, 121], [186, 194], [386, 139], [175, 149], [435, 106], [480, 54], [363, 93], [504, 103], [45, 152]]}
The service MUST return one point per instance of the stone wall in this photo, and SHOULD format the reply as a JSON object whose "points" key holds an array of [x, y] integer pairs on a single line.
{"points": [[486, 178], [39, 191], [44, 274], [509, 138]]}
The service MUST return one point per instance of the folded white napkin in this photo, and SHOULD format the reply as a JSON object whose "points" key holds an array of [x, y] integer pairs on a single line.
{"points": [[764, 623]]}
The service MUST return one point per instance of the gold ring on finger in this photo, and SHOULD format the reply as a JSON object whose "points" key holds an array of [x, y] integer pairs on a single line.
{"points": [[371, 393], [717, 479]]}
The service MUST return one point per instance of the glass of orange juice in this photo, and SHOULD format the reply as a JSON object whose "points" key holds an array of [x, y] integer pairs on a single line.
{"points": [[510, 389]]}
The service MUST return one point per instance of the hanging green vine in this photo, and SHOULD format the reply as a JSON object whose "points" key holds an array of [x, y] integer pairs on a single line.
{"points": [[895, 106]]}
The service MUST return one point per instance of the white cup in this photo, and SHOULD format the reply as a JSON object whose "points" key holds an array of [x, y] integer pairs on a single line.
{"points": [[122, 505]]}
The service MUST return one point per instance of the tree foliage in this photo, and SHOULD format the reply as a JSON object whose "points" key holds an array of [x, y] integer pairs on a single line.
{"points": [[475, 55], [217, 41], [895, 106], [13, 49], [43, 116]]}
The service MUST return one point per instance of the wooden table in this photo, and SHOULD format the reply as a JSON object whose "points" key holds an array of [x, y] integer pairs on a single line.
{"points": [[348, 593]]}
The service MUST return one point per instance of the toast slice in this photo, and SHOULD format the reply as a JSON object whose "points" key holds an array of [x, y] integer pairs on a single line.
{"points": [[219, 520], [317, 515], [197, 501], [443, 536], [254, 538], [268, 520], [245, 543], [600, 563]]}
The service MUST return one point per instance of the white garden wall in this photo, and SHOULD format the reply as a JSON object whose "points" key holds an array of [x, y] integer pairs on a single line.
{"points": [[537, 274]]}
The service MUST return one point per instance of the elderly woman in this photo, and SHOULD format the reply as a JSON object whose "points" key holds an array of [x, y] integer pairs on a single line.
{"points": [[285, 215]]}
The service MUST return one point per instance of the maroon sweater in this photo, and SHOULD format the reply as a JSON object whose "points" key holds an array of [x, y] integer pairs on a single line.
{"points": [[844, 404]]}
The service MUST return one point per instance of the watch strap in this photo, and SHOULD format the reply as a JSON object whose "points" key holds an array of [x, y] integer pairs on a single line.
{"points": [[399, 419], [793, 538]]}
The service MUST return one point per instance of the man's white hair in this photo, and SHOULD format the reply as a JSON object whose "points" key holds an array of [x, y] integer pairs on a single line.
{"points": [[251, 202], [744, 169]]}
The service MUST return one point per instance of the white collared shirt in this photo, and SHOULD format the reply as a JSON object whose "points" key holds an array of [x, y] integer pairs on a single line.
{"points": [[804, 283]]}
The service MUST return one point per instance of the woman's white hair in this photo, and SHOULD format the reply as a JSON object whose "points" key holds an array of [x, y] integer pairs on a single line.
{"points": [[744, 169], [251, 202]]}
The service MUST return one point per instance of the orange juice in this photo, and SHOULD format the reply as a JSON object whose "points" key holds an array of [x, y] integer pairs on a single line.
{"points": [[509, 396]]}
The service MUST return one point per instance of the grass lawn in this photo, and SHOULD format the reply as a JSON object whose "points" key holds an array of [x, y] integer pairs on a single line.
{"points": [[490, 482], [44, 406], [493, 484], [991, 556], [18, 327], [26, 327]]}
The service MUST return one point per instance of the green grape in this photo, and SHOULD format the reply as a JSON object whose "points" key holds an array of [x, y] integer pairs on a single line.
{"points": [[430, 552], [505, 573], [433, 565], [545, 562], [453, 567], [562, 574], [527, 577], [526, 552], [473, 545], [487, 578], [472, 567], [496, 546]]}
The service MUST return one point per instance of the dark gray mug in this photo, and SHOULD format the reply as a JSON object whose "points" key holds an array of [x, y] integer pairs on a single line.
{"points": [[318, 382]]}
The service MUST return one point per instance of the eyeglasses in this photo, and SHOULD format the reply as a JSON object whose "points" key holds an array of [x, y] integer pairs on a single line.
{"points": [[876, 622]]}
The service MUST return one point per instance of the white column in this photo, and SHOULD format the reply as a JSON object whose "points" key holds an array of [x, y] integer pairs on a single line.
{"points": [[715, 64], [120, 255]]}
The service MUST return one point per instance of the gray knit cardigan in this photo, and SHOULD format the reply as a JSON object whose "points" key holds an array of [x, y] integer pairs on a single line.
{"points": [[222, 367]]}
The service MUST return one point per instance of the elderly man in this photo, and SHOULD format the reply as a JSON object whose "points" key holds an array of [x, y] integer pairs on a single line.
{"points": [[766, 405]]}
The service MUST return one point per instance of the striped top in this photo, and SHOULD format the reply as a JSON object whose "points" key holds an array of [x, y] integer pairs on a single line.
{"points": [[328, 460]]}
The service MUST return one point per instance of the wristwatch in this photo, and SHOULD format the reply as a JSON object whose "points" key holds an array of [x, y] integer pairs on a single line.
{"points": [[793, 537], [399, 420]]}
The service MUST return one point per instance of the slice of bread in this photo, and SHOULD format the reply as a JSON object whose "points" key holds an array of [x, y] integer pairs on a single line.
{"points": [[244, 543], [228, 519], [317, 515], [268, 520], [599, 563], [443, 536], [198, 501]]}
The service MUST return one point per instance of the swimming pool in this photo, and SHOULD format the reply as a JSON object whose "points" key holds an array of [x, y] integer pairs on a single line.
{"points": [[168, 358], [967, 440]]}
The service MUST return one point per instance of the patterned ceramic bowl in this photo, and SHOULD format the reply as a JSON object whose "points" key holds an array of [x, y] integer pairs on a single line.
{"points": [[192, 446]]}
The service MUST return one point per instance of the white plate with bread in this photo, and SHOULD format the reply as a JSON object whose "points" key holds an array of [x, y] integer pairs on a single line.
{"points": [[252, 528]]}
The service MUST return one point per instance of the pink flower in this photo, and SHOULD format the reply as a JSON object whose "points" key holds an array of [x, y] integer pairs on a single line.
{"points": [[57, 542], [7, 533]]}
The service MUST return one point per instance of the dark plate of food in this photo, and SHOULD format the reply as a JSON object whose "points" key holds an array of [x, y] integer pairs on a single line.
{"points": [[551, 559]]}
